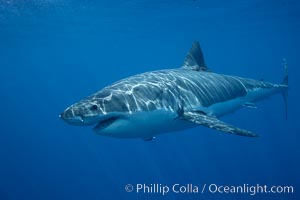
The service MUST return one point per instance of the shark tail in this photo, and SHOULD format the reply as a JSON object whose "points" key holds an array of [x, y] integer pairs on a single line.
{"points": [[285, 85]]}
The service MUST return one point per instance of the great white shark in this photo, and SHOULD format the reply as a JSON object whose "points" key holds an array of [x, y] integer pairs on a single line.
{"points": [[148, 104]]}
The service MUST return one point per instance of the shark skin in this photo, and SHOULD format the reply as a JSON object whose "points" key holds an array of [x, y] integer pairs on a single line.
{"points": [[148, 104]]}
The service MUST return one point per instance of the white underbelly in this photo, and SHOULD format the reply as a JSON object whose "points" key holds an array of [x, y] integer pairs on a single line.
{"points": [[145, 125], [223, 108]]}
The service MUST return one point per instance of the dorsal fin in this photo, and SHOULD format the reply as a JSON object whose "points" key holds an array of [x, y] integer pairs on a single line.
{"points": [[194, 59]]}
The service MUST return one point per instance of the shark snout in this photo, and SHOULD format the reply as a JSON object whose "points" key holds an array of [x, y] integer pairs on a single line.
{"points": [[66, 114], [70, 117], [80, 115]]}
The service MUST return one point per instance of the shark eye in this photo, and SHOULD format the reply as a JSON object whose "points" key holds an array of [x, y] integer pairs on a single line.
{"points": [[94, 107]]}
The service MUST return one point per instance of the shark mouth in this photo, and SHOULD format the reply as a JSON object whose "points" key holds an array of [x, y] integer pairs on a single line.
{"points": [[105, 123]]}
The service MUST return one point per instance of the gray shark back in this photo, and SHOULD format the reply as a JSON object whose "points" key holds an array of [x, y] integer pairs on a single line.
{"points": [[175, 88]]}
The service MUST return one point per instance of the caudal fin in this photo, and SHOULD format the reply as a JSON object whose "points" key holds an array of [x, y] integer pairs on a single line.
{"points": [[285, 83]]}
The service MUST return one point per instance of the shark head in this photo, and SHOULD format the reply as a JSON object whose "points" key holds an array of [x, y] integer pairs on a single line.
{"points": [[101, 109]]}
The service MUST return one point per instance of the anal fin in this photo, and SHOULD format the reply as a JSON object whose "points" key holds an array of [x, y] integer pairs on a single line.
{"points": [[214, 123]]}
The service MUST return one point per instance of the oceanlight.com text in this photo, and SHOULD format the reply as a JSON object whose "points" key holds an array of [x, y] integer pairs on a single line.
{"points": [[249, 189]]}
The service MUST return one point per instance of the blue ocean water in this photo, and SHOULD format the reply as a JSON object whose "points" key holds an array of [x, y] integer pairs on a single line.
{"points": [[56, 52]]}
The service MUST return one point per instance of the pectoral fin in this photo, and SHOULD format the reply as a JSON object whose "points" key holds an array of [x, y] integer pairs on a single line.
{"points": [[214, 123]]}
